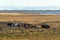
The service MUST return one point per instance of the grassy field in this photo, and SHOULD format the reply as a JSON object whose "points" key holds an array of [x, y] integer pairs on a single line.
{"points": [[29, 17], [17, 33]]}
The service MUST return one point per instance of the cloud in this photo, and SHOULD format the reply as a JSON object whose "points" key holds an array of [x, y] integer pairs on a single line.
{"points": [[29, 3]]}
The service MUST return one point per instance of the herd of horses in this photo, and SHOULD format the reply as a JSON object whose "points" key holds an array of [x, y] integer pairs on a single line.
{"points": [[26, 25]]}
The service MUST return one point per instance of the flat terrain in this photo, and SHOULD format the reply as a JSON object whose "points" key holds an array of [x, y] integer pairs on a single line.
{"points": [[16, 33], [29, 17]]}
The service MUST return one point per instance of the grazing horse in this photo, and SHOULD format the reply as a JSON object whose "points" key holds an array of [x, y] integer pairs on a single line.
{"points": [[27, 25], [33, 26], [10, 24], [16, 24], [45, 26], [13, 24], [21, 24]]}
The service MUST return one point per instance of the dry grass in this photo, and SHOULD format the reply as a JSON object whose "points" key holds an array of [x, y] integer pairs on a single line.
{"points": [[32, 34], [30, 18], [17, 33]]}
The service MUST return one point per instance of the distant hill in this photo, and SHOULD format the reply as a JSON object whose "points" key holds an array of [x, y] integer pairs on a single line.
{"points": [[34, 11]]}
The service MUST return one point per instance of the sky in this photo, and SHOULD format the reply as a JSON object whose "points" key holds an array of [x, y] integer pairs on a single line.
{"points": [[30, 4]]}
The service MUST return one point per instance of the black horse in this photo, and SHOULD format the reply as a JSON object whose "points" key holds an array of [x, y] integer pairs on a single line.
{"points": [[10, 24], [45, 26]]}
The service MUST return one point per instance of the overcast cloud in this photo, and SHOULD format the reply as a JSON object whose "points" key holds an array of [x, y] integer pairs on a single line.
{"points": [[17, 4]]}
